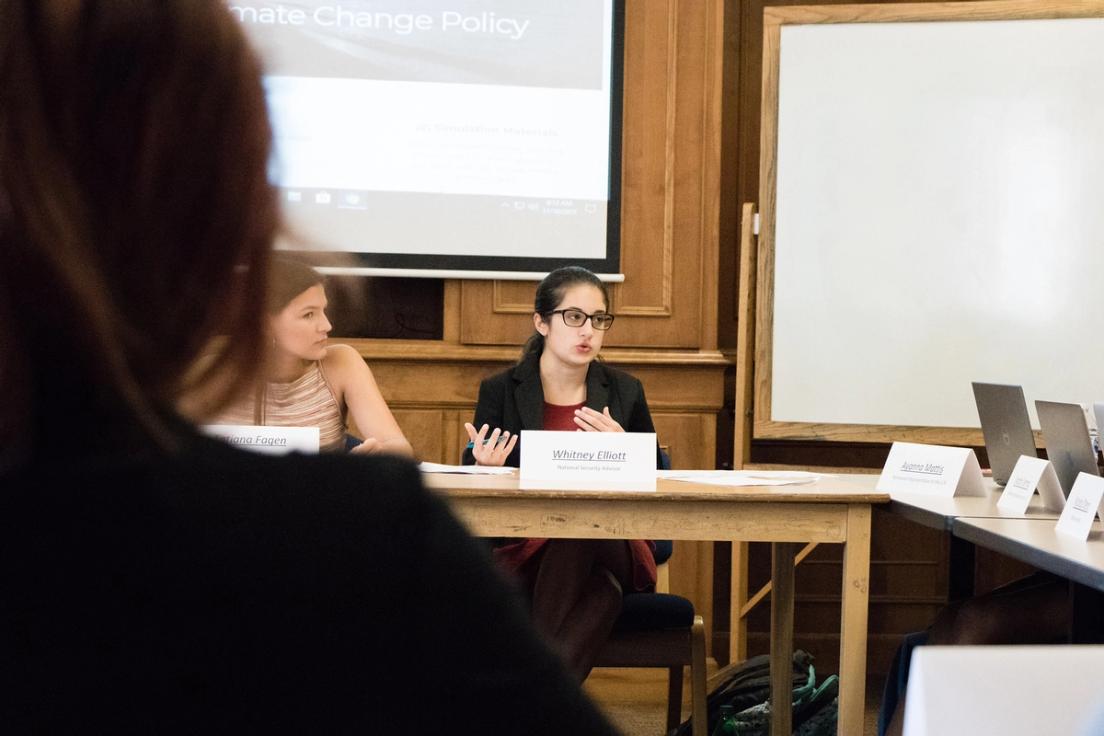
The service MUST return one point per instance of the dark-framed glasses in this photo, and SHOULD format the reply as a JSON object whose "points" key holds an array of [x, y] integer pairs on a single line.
{"points": [[576, 318]]}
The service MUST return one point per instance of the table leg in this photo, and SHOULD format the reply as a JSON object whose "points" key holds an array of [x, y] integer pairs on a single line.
{"points": [[960, 569], [1085, 606], [856, 599], [738, 595], [781, 640]]}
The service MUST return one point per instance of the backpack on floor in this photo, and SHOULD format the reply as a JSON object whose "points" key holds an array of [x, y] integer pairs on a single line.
{"points": [[740, 704]]}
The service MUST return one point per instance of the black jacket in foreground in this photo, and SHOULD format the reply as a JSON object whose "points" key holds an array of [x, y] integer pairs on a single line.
{"points": [[217, 591], [513, 400]]}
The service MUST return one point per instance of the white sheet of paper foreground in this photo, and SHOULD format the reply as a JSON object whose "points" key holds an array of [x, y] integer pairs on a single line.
{"points": [[465, 469], [741, 477]]}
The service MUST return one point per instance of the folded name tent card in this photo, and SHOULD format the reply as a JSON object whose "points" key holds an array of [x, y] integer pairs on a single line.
{"points": [[603, 460], [933, 470], [1031, 473], [267, 440], [1082, 507]]}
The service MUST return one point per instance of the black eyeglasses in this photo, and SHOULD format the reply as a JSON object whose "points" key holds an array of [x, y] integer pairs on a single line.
{"points": [[577, 317]]}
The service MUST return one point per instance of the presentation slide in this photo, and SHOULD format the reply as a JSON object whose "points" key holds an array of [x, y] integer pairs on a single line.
{"points": [[430, 133]]}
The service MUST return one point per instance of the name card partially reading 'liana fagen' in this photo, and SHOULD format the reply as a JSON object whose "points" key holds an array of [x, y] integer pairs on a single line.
{"points": [[614, 460], [267, 440], [933, 470]]}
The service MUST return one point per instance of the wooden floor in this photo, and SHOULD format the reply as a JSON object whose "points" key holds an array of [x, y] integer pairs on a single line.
{"points": [[636, 699]]}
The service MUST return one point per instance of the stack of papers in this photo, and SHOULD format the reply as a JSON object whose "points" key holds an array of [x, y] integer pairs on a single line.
{"points": [[465, 469], [741, 477]]}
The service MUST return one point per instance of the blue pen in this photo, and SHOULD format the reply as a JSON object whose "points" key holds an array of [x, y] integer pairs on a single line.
{"points": [[501, 441]]}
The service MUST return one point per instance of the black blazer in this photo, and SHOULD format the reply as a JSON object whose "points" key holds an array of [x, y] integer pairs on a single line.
{"points": [[513, 400]]}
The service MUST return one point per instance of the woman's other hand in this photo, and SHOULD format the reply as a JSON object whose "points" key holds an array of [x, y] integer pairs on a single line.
{"points": [[589, 420], [492, 450], [367, 447]]}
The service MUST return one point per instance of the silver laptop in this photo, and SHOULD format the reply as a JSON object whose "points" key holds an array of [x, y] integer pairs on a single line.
{"points": [[1069, 446], [1005, 426]]}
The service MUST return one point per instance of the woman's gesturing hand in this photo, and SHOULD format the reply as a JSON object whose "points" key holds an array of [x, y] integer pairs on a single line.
{"points": [[494, 449], [589, 420]]}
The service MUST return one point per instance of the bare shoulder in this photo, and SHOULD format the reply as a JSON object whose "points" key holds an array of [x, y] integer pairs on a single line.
{"points": [[342, 360], [341, 354]]}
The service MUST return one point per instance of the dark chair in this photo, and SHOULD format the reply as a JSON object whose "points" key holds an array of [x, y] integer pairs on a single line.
{"points": [[661, 630]]}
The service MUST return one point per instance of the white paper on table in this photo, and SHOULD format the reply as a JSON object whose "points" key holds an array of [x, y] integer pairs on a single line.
{"points": [[466, 469], [735, 478]]}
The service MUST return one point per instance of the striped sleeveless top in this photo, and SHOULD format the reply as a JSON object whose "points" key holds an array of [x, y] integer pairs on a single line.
{"points": [[308, 401]]}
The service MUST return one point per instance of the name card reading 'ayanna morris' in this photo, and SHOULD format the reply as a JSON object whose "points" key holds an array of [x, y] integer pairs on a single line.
{"points": [[588, 460], [933, 470], [267, 440]]}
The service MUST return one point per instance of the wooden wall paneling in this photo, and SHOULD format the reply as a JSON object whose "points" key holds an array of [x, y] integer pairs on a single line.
{"points": [[451, 322], [728, 220], [648, 159], [425, 429], [670, 264], [670, 191], [711, 170]]}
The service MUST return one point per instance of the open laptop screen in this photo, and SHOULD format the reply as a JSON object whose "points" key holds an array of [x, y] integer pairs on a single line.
{"points": [[1005, 426], [1069, 446]]}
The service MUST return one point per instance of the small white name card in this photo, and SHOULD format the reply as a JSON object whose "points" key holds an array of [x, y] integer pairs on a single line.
{"points": [[269, 440], [1031, 473], [1082, 506], [933, 470], [605, 460]]}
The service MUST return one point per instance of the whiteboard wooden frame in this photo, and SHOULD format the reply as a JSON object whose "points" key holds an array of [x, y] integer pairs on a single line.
{"points": [[762, 290]]}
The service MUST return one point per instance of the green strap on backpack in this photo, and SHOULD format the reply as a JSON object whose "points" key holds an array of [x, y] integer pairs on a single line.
{"points": [[815, 709], [739, 705]]}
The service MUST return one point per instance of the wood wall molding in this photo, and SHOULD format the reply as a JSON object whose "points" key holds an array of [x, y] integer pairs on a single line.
{"points": [[632, 301]]}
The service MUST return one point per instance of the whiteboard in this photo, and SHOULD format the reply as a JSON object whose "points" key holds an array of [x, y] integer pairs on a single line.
{"points": [[938, 218]]}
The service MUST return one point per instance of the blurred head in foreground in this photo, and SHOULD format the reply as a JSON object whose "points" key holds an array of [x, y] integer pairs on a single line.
{"points": [[136, 217]]}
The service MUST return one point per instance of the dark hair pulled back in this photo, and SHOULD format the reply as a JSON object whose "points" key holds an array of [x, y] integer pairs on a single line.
{"points": [[550, 293]]}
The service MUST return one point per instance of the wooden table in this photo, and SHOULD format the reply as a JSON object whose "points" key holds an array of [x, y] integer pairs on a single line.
{"points": [[834, 510]]}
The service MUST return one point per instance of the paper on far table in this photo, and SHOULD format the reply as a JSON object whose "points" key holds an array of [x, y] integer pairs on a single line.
{"points": [[466, 469], [741, 477]]}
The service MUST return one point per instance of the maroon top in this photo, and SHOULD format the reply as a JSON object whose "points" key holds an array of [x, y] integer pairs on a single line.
{"points": [[522, 557]]}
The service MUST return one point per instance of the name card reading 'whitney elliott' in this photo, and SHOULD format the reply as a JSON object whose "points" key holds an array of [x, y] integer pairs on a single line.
{"points": [[614, 460], [933, 470], [267, 440]]}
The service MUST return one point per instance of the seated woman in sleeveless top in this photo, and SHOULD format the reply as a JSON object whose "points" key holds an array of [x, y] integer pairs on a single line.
{"points": [[575, 586], [310, 383]]}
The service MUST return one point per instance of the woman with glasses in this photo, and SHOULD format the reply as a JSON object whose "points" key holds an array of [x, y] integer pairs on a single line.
{"points": [[575, 586]]}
